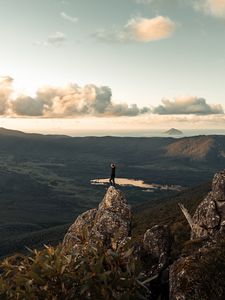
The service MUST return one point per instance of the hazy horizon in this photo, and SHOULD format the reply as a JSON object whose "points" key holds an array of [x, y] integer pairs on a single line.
{"points": [[121, 133]]}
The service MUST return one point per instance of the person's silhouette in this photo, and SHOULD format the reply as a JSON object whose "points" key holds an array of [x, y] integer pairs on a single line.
{"points": [[113, 174]]}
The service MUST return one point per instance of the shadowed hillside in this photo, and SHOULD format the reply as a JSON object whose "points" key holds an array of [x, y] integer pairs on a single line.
{"points": [[45, 180]]}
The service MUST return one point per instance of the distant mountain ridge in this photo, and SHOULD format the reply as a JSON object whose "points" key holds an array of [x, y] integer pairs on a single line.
{"points": [[10, 132], [18, 133], [195, 148]]}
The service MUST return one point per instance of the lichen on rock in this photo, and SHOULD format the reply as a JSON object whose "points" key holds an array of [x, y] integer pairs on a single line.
{"points": [[110, 223], [209, 217]]}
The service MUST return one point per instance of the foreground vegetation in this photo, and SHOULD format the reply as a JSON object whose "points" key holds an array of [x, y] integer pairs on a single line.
{"points": [[49, 274]]}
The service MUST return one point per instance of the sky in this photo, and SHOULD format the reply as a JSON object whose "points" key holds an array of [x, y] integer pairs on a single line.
{"points": [[89, 65]]}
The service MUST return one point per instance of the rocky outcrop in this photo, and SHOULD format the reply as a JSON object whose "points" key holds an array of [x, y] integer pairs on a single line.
{"points": [[188, 277], [199, 276], [209, 218], [80, 231], [157, 243], [112, 223], [183, 279], [109, 224]]}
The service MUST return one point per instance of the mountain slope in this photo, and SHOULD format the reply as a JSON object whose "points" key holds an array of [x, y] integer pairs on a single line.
{"points": [[45, 180], [160, 211], [166, 211], [193, 148]]}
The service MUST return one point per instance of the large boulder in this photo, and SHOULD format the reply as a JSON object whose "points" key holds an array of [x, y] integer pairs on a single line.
{"points": [[206, 217], [109, 224], [192, 274], [209, 218], [218, 186], [157, 243], [199, 276], [79, 231], [182, 277]]}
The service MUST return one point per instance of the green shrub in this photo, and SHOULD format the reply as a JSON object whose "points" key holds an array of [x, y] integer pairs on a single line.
{"points": [[49, 274]]}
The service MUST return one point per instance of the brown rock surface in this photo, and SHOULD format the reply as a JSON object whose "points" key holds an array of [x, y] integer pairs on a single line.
{"points": [[189, 274], [157, 243], [209, 217], [110, 223]]}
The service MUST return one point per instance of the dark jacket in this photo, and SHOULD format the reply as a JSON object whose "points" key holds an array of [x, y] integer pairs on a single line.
{"points": [[113, 172]]}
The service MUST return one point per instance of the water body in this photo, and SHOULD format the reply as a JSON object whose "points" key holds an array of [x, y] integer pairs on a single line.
{"points": [[137, 183]]}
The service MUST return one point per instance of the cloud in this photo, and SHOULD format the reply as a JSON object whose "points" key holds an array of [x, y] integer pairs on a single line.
{"points": [[27, 106], [74, 101], [140, 30], [211, 7], [187, 105], [69, 18], [56, 39], [5, 92], [62, 102]]}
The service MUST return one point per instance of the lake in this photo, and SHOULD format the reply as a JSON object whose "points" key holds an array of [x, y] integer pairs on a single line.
{"points": [[147, 187]]}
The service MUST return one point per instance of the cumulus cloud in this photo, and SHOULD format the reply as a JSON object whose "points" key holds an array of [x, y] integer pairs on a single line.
{"points": [[5, 92], [27, 106], [56, 39], [62, 102], [74, 101], [187, 105], [140, 30], [212, 7], [69, 18]]}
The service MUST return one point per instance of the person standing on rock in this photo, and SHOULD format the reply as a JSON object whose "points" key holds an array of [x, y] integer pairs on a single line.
{"points": [[113, 174]]}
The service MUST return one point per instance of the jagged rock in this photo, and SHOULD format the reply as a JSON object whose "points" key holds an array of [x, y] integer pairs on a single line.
{"points": [[191, 276], [209, 217], [188, 274], [113, 218], [218, 186], [110, 223], [210, 214], [116, 202], [206, 217], [181, 278], [80, 230], [157, 243]]}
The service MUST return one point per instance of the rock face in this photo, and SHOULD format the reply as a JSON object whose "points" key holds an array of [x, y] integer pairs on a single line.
{"points": [[110, 223], [183, 277], [209, 218], [80, 231], [206, 217], [208, 227], [157, 243]]}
